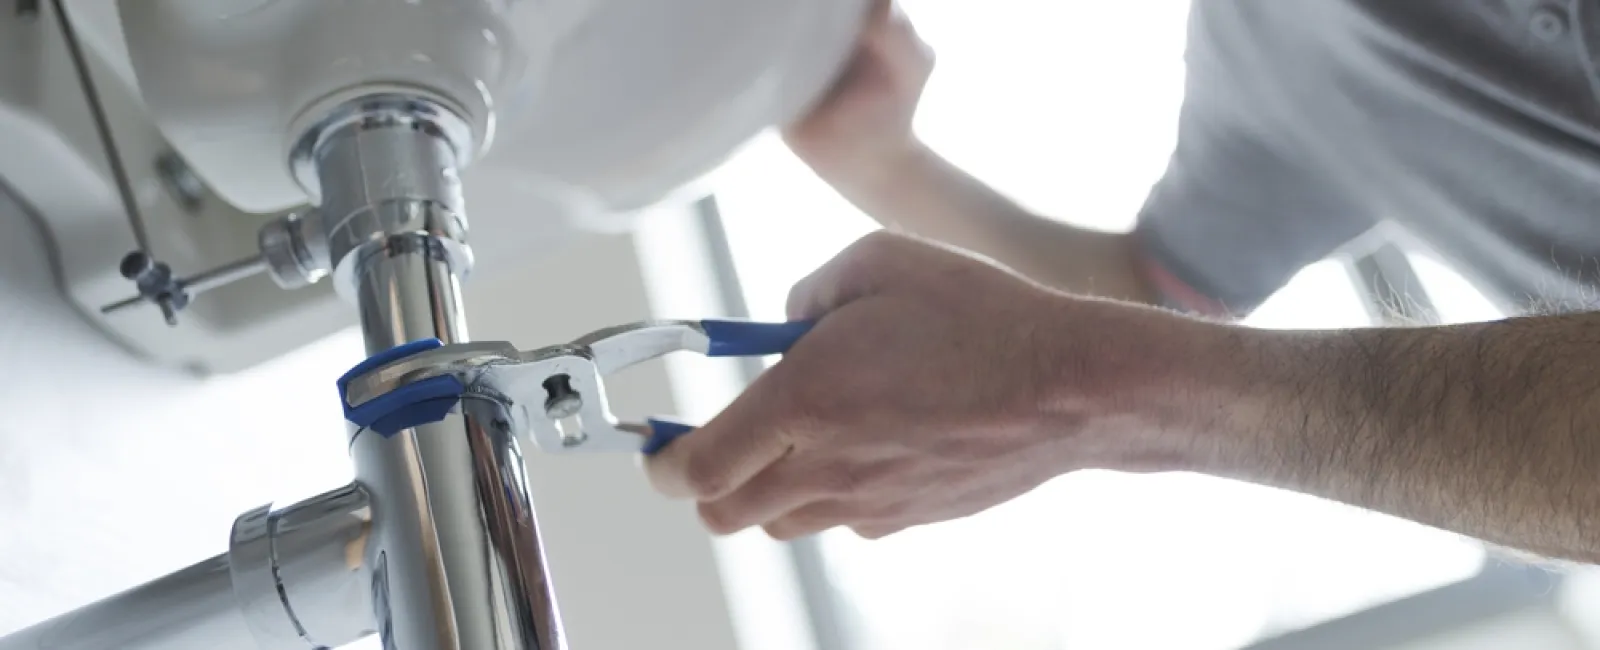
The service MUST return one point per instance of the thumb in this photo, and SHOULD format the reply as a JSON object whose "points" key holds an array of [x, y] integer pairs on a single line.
{"points": [[866, 268]]}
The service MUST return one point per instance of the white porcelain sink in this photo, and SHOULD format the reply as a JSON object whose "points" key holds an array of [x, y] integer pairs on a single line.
{"points": [[610, 103], [596, 108]]}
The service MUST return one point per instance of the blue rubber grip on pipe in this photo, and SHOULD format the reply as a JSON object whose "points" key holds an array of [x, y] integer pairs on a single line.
{"points": [[662, 433], [411, 405], [733, 338]]}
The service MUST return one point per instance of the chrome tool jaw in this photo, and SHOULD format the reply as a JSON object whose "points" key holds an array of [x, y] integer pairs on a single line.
{"points": [[563, 405], [555, 395], [575, 414]]}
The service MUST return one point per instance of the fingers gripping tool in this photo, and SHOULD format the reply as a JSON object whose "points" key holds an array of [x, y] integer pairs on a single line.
{"points": [[556, 394]]}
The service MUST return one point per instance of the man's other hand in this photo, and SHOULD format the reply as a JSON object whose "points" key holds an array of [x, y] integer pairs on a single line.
{"points": [[934, 386], [864, 123]]}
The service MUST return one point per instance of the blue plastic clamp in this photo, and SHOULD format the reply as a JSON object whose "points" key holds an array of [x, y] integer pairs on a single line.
{"points": [[411, 405]]}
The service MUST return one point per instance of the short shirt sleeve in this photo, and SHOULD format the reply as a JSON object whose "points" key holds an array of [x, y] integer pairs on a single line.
{"points": [[1233, 219]]}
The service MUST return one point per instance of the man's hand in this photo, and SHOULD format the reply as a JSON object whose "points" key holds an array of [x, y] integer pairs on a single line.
{"points": [[865, 122], [926, 392], [936, 385]]}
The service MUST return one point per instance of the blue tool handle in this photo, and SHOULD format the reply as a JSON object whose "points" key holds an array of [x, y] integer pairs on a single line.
{"points": [[729, 338], [662, 433], [734, 338]]}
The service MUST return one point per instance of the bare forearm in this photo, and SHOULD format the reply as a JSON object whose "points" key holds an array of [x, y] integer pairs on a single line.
{"points": [[1491, 430], [923, 194]]}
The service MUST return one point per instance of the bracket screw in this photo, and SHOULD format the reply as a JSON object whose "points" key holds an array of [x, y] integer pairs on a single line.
{"points": [[156, 283], [563, 401]]}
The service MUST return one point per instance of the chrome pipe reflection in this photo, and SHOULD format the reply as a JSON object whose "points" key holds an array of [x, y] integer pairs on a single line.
{"points": [[455, 553], [298, 572], [289, 582], [192, 609]]}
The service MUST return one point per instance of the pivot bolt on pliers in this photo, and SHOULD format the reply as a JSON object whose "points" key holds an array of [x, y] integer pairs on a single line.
{"points": [[555, 393]]}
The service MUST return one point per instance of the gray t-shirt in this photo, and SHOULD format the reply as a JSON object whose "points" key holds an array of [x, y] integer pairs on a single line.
{"points": [[1473, 125]]}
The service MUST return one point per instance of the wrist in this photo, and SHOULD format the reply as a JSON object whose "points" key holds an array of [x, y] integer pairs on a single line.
{"points": [[1140, 389], [1273, 407], [874, 168]]}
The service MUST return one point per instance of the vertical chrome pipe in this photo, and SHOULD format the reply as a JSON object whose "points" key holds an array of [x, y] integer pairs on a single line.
{"points": [[455, 551], [457, 556]]}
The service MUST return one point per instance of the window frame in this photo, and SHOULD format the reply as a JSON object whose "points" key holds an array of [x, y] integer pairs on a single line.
{"points": [[1499, 590], [822, 604]]}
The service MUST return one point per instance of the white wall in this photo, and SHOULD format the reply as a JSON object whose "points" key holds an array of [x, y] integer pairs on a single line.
{"points": [[113, 472], [102, 454]]}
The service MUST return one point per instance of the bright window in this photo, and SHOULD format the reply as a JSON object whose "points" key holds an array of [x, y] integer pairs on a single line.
{"points": [[1070, 109]]}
